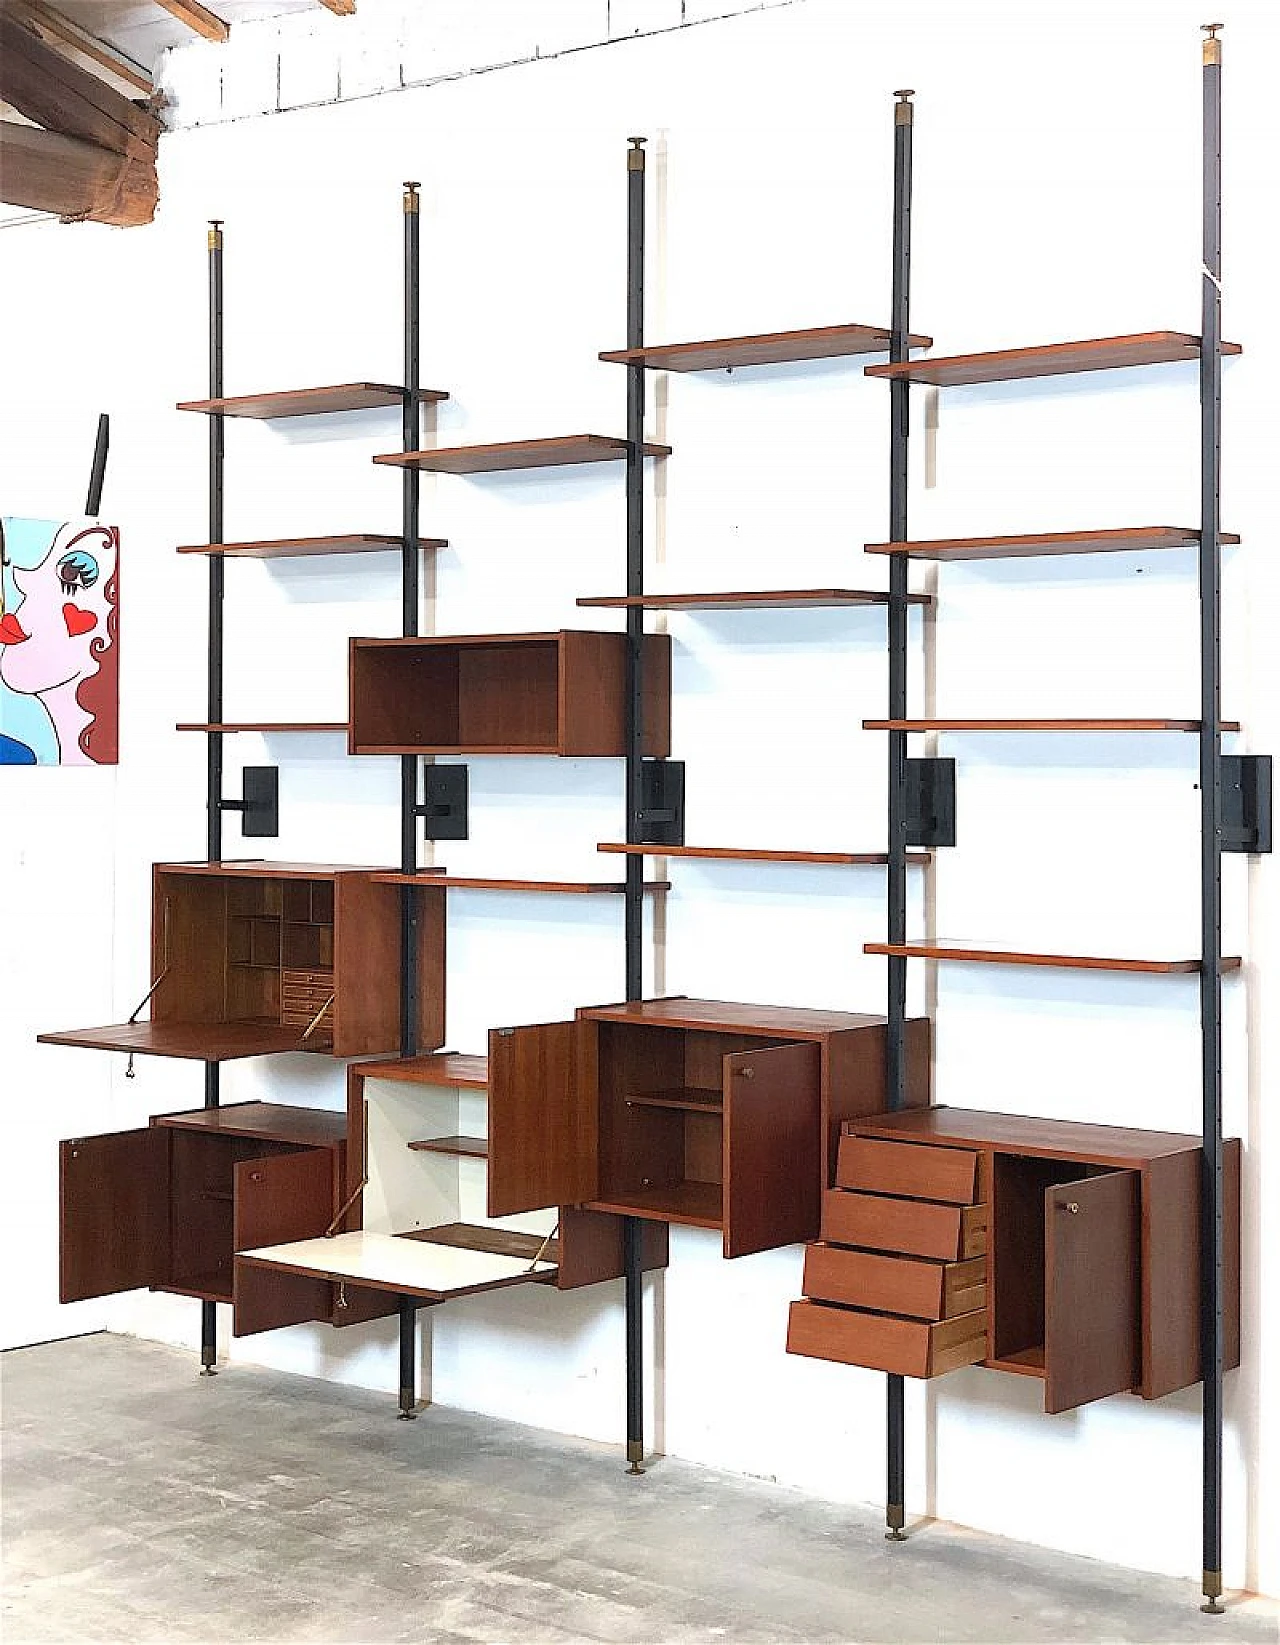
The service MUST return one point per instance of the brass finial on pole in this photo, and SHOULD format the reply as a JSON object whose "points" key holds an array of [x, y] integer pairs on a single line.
{"points": [[1211, 46], [904, 110], [411, 196], [635, 154], [215, 233]]}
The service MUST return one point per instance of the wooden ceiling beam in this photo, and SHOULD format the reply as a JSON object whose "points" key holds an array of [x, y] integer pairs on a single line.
{"points": [[196, 17], [340, 8], [60, 32], [46, 171], [46, 87]]}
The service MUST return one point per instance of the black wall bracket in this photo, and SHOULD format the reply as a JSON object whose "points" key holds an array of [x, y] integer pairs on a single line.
{"points": [[662, 802], [1246, 803], [931, 802], [444, 802], [260, 807]]}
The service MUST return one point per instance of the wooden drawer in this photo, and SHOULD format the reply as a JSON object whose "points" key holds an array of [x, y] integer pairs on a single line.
{"points": [[895, 1285], [907, 1347], [911, 1169], [915, 1228], [302, 996]]}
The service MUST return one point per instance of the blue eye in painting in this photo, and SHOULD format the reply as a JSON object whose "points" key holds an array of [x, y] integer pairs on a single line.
{"points": [[77, 570]]}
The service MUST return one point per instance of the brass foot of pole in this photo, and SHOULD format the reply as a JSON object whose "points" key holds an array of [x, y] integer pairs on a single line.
{"points": [[1212, 1585], [407, 1412], [635, 1456], [895, 1518]]}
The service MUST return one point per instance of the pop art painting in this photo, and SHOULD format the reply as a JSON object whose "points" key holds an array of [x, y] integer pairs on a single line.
{"points": [[59, 642]]}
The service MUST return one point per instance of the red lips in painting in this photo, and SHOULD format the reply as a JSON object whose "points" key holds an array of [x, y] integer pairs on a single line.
{"points": [[11, 630]]}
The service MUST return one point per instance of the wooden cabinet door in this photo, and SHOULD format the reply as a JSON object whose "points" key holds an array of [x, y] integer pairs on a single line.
{"points": [[1091, 1301], [277, 1200], [113, 1208], [543, 1117], [772, 1147]]}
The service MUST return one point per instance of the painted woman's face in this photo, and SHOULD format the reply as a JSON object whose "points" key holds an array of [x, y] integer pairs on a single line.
{"points": [[45, 638]]}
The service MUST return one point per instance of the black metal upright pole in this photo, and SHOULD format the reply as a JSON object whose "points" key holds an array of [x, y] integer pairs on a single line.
{"points": [[896, 889], [1211, 1322], [634, 894], [410, 566], [217, 585], [408, 1310]]}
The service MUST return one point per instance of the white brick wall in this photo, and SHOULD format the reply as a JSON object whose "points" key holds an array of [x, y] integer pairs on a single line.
{"points": [[311, 58]]}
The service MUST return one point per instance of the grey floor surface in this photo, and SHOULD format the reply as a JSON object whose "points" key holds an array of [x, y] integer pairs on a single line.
{"points": [[143, 1503]]}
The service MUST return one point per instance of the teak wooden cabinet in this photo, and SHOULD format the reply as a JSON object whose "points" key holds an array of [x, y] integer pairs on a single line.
{"points": [[168, 1205], [702, 1112], [416, 1224], [254, 957], [551, 693], [1048, 1248]]}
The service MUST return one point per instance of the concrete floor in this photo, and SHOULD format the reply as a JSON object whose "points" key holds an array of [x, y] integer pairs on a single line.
{"points": [[143, 1503]]}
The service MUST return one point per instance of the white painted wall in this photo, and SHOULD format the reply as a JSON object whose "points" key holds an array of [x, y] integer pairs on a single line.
{"points": [[1057, 196]]}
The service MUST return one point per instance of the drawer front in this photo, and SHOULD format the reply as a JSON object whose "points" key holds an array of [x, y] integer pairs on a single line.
{"points": [[303, 994], [907, 1168], [915, 1228], [895, 1285], [905, 1347]]}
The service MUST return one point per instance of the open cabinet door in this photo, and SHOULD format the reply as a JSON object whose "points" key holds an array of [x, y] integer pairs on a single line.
{"points": [[277, 1200], [1092, 1345], [543, 1119], [772, 1143], [113, 1210]]}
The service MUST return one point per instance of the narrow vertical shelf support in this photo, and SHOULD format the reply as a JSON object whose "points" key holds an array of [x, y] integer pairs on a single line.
{"points": [[1211, 1199], [896, 876], [410, 565], [217, 589], [634, 893], [408, 1360]]}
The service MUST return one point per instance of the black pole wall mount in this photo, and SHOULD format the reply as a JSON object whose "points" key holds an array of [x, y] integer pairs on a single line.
{"points": [[410, 563], [1212, 1334], [896, 873], [635, 764], [217, 588]]}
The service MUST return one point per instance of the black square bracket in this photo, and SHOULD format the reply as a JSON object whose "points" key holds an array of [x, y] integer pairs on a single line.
{"points": [[444, 802], [260, 807], [931, 802], [661, 802], [1246, 803]]}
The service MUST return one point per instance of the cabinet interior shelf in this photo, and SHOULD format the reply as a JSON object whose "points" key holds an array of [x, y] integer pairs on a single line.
{"points": [[438, 1068], [766, 348], [692, 1204], [943, 950], [230, 727], [432, 878], [690, 1100], [1041, 725], [460, 1147], [292, 548], [743, 600], [732, 853], [557, 452], [1127, 539], [310, 402], [1144, 348]]}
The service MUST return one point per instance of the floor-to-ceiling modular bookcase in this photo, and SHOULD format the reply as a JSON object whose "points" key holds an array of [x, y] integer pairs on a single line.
{"points": [[1097, 1258]]}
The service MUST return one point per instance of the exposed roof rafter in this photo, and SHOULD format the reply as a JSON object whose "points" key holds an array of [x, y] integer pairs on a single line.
{"points": [[196, 17]]}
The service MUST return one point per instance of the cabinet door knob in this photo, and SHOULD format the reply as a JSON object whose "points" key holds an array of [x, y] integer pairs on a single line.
{"points": [[1073, 1206], [745, 1073]]}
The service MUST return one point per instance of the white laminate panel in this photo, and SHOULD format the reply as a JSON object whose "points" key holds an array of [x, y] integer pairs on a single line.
{"points": [[411, 1265]]}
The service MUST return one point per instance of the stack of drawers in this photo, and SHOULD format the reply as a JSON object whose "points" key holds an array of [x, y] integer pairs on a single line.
{"points": [[898, 1282], [303, 995]]}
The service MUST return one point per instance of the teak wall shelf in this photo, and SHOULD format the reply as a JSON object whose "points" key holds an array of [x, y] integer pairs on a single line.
{"points": [[558, 452], [1147, 348], [312, 402], [232, 727], [935, 950], [550, 693], [292, 548], [1042, 725], [765, 600], [1125, 540], [731, 853], [768, 348]]}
